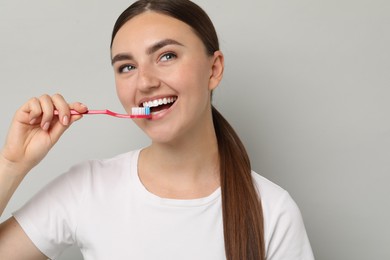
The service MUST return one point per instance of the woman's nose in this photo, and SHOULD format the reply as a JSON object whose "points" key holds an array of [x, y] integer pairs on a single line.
{"points": [[147, 79]]}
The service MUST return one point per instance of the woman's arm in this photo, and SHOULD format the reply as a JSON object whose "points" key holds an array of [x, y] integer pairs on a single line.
{"points": [[33, 132], [15, 244]]}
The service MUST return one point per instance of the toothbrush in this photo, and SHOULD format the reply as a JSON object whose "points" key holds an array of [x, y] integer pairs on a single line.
{"points": [[136, 112]]}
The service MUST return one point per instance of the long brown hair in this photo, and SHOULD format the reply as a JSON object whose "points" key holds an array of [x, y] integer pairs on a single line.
{"points": [[241, 204]]}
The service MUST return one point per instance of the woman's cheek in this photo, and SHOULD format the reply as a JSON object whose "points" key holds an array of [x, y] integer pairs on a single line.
{"points": [[123, 95]]}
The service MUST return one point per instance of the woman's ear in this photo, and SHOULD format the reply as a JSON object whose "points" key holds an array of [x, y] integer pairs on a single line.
{"points": [[217, 69]]}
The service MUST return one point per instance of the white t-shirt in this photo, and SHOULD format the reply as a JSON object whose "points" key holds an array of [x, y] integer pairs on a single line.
{"points": [[102, 207]]}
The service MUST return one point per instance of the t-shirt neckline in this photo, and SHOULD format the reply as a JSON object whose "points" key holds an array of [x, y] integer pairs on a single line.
{"points": [[153, 198]]}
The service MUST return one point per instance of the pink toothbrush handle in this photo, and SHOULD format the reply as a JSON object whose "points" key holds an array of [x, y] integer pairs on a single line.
{"points": [[144, 113], [74, 112], [89, 112]]}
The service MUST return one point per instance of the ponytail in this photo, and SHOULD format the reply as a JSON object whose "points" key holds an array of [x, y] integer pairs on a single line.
{"points": [[241, 206]]}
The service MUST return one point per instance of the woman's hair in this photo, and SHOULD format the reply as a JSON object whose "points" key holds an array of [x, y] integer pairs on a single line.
{"points": [[241, 205]]}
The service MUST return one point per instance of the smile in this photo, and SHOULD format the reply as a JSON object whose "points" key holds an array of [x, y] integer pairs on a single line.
{"points": [[159, 104]]}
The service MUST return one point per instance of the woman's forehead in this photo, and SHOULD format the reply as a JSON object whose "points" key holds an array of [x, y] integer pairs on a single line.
{"points": [[152, 22], [149, 27]]}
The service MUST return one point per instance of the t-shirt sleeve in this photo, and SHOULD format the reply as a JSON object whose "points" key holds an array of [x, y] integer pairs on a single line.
{"points": [[287, 234], [50, 218]]}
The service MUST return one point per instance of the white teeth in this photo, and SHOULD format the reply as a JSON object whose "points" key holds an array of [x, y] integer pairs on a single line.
{"points": [[160, 101]]}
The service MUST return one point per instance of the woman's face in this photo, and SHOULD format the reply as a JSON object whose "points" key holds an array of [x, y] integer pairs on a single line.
{"points": [[160, 62]]}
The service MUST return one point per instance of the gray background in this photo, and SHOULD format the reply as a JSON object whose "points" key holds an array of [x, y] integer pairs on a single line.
{"points": [[306, 86]]}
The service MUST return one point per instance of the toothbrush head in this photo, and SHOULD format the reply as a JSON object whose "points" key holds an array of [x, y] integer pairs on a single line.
{"points": [[140, 112]]}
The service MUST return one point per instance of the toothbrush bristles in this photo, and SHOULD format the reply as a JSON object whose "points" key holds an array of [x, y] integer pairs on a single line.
{"points": [[140, 111]]}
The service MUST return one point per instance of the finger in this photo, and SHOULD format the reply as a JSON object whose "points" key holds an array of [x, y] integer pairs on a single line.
{"points": [[58, 129], [47, 111], [79, 107], [62, 107], [33, 110]]}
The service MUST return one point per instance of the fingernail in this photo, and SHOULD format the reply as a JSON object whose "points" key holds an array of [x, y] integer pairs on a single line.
{"points": [[32, 121], [46, 126], [65, 120]]}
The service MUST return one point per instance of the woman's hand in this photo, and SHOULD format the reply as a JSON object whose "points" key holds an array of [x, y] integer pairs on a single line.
{"points": [[35, 129]]}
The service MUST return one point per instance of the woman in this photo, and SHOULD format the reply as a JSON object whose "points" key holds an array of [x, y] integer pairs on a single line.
{"points": [[191, 194]]}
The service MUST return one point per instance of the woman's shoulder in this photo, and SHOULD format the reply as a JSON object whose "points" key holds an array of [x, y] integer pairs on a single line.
{"points": [[267, 188], [284, 230], [105, 170], [102, 165], [276, 201]]}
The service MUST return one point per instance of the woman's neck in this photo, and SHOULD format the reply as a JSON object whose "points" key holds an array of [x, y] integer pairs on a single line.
{"points": [[185, 169]]}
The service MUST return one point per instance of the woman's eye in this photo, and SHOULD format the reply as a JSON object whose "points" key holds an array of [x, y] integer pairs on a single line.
{"points": [[126, 68], [168, 56]]}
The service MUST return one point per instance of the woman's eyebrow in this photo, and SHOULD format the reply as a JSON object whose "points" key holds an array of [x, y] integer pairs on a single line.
{"points": [[152, 49], [158, 45], [121, 57]]}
